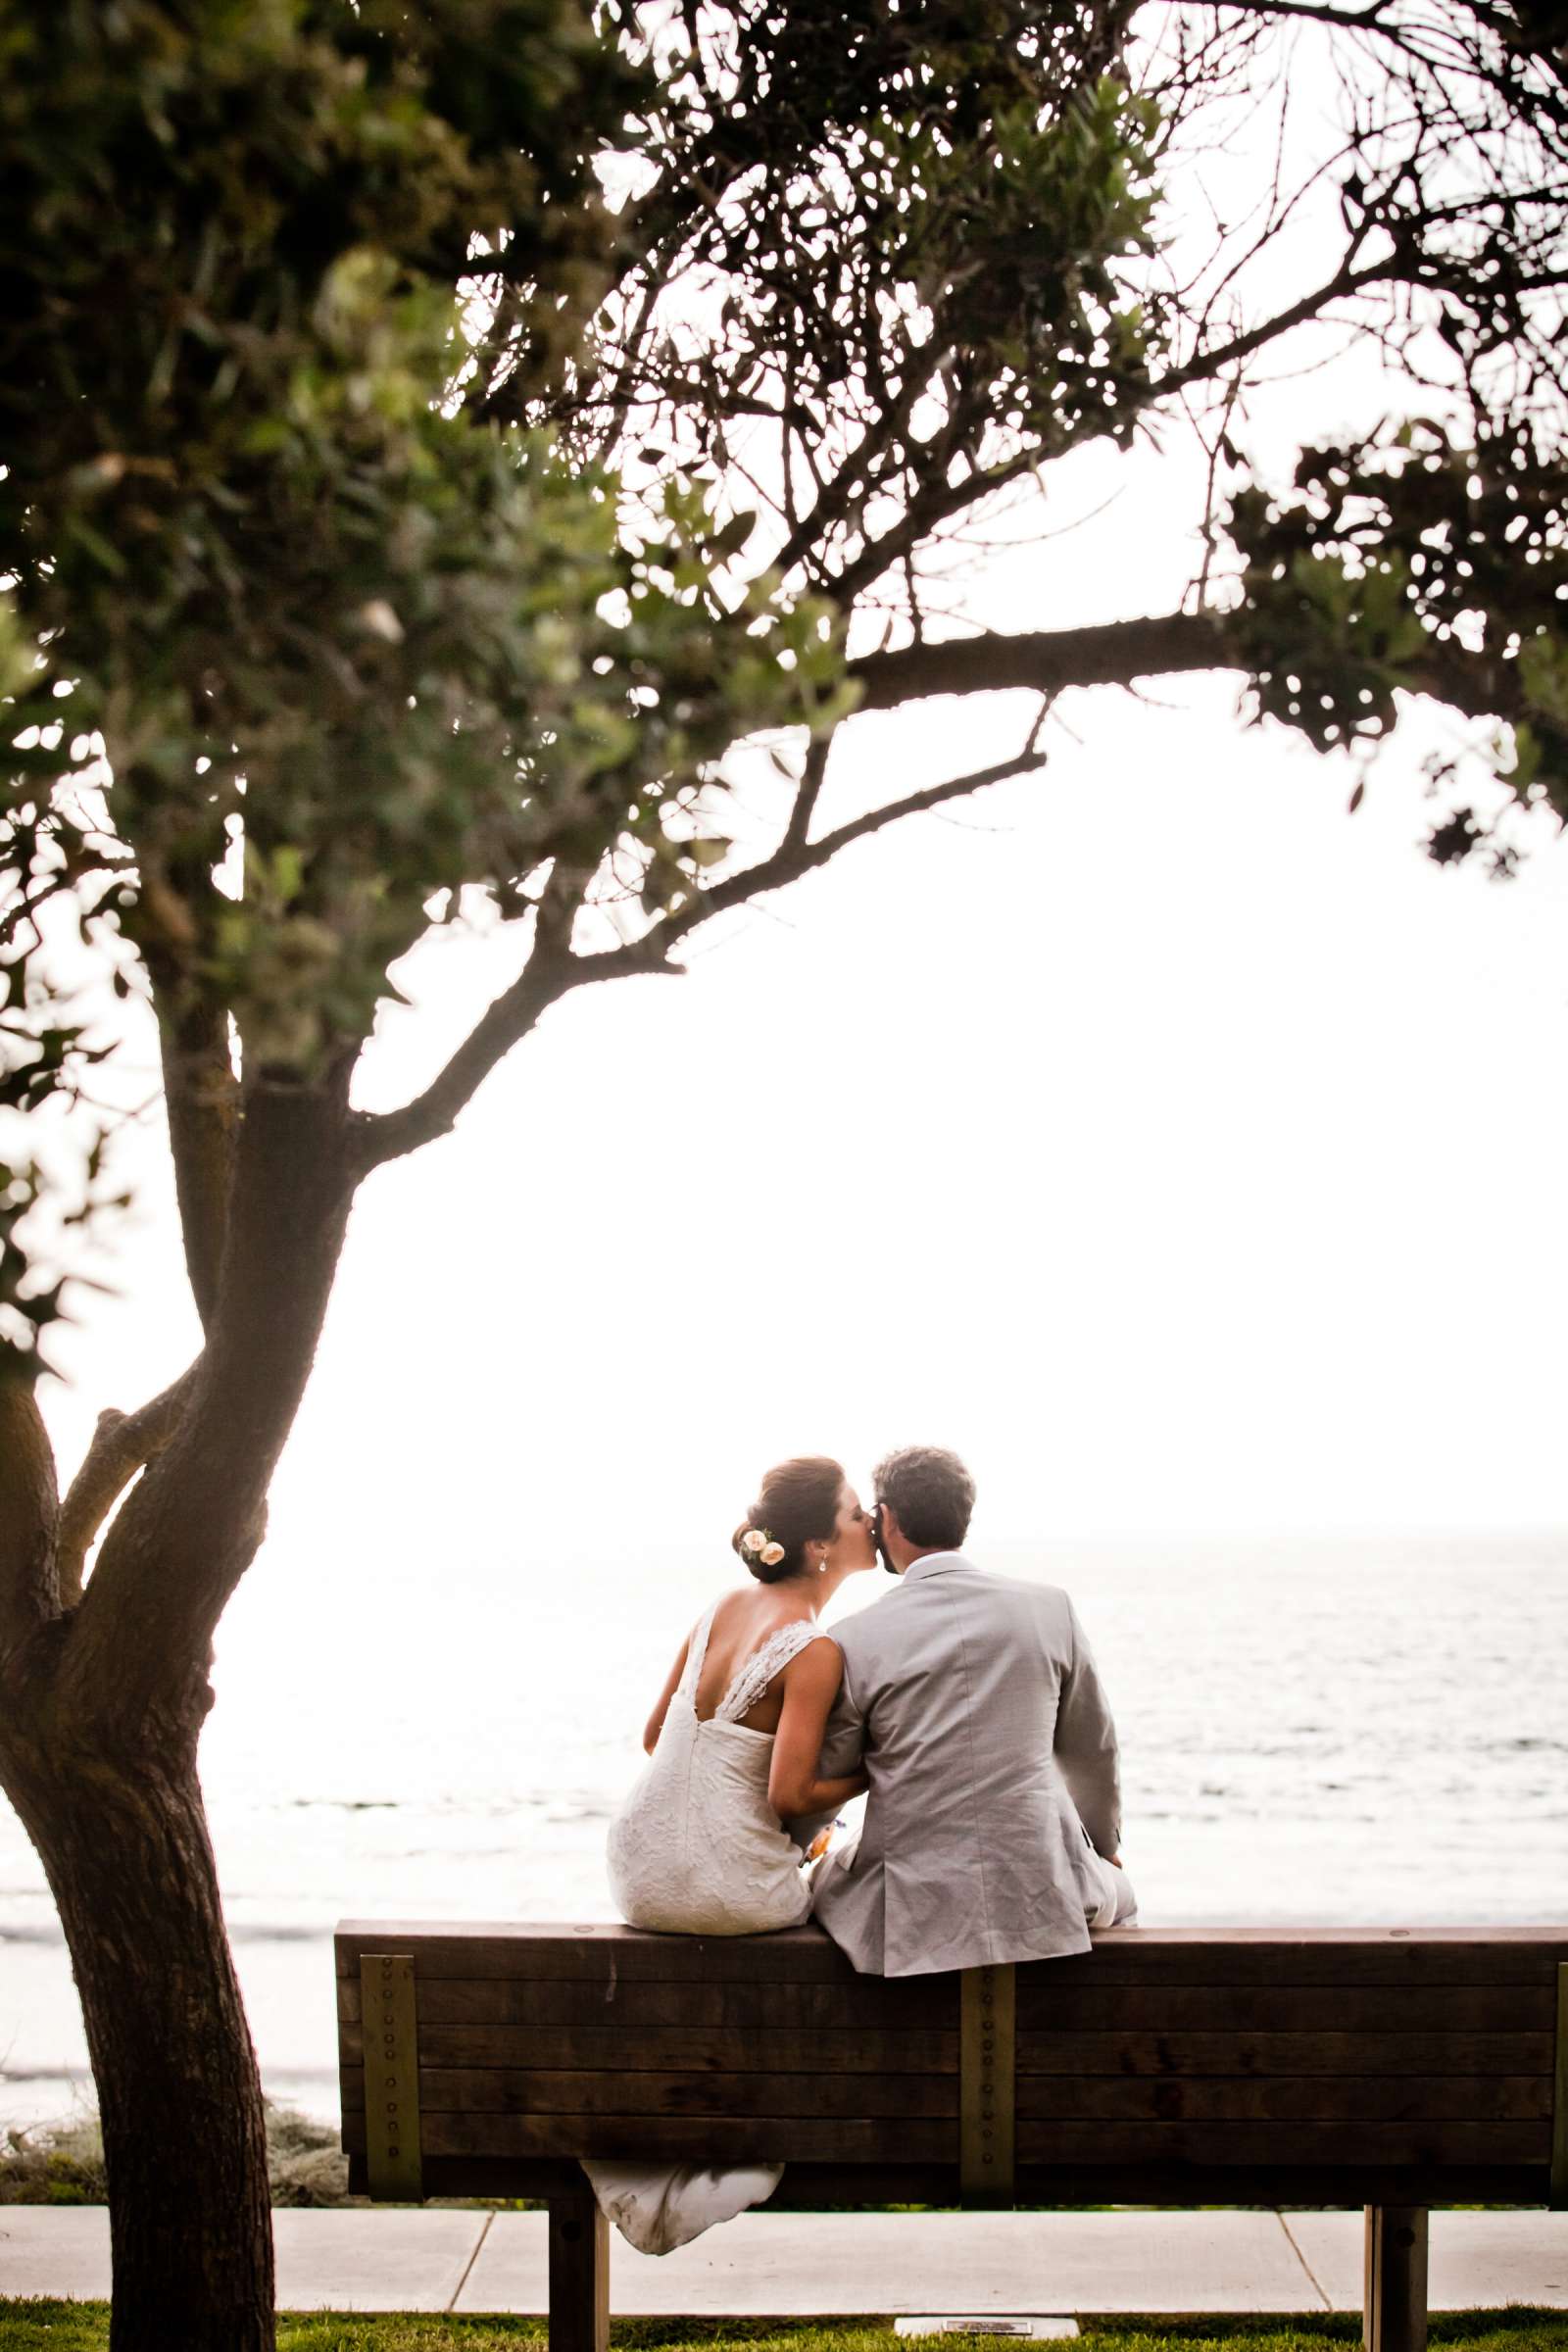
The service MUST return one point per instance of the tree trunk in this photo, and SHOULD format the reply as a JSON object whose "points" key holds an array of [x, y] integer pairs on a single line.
{"points": [[101, 1701], [123, 1841]]}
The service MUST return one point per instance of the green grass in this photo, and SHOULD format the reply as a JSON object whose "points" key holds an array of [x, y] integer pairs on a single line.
{"points": [[44, 2325]]}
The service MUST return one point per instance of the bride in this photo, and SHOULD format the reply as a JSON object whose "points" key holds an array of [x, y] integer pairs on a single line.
{"points": [[699, 1847]]}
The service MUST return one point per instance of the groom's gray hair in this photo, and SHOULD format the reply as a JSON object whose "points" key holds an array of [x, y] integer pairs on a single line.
{"points": [[932, 1492]]}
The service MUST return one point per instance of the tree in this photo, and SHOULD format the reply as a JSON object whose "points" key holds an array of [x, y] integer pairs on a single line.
{"points": [[433, 441]]}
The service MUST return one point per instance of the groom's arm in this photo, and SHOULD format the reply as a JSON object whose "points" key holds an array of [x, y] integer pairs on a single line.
{"points": [[843, 1750], [1086, 1745], [844, 1740]]}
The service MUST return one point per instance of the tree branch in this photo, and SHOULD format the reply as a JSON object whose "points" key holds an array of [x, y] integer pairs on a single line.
{"points": [[1104, 653], [123, 1443], [202, 1097], [1115, 652], [141, 1637], [793, 859], [545, 978], [1512, 30], [1205, 366], [550, 976], [29, 1513], [806, 798], [551, 972], [1042, 661]]}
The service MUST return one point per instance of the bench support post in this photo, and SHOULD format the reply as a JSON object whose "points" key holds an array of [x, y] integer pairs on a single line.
{"points": [[579, 2273], [389, 2011], [1395, 2306], [987, 2080], [1558, 2191]]}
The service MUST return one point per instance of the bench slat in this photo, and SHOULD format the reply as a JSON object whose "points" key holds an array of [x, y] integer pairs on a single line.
{"points": [[798, 2008], [1126, 1956], [932, 2002], [791, 1955], [810, 2187], [737, 2139], [1090, 2098], [686, 2049], [677, 2049], [1281, 2143], [1288, 2009], [1134, 1956], [1269, 2054], [725, 2138], [525, 2091], [1311, 2098]]}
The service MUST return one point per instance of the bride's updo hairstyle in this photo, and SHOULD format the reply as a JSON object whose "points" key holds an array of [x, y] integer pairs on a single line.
{"points": [[799, 1504]]}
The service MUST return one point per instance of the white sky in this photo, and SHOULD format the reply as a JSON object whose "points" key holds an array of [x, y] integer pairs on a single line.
{"points": [[1183, 1149]]}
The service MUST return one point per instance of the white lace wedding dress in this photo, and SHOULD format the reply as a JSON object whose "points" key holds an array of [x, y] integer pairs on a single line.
{"points": [[698, 1850]]}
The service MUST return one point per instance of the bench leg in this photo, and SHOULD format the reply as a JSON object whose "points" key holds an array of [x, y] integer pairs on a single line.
{"points": [[579, 2274], [1395, 2310]]}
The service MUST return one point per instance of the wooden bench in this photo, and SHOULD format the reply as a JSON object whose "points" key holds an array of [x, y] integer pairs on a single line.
{"points": [[1380, 2068]]}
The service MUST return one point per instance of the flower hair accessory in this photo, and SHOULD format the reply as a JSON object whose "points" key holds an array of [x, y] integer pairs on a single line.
{"points": [[759, 1545]]}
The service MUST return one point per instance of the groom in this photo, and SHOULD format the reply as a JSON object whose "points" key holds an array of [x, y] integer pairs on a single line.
{"points": [[972, 1702]]}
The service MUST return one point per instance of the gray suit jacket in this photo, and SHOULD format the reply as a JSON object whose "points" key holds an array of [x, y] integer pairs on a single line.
{"points": [[973, 1701]]}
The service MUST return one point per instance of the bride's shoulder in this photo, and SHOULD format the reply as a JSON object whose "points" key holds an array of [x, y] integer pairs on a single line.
{"points": [[726, 1606], [798, 1639]]}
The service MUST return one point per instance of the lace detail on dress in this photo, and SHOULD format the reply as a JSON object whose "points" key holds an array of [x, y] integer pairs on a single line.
{"points": [[756, 1672]]}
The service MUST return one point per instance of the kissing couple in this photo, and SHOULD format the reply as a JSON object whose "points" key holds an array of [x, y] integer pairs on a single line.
{"points": [[964, 1706]]}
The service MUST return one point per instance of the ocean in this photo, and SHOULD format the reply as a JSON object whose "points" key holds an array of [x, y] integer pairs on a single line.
{"points": [[1367, 1729]]}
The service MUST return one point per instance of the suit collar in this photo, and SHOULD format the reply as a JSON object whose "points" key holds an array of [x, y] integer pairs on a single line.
{"points": [[936, 1563]]}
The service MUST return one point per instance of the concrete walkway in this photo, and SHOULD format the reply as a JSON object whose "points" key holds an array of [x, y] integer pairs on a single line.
{"points": [[789, 2264]]}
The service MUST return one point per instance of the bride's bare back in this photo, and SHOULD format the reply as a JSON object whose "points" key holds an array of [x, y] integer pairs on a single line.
{"points": [[745, 1622]]}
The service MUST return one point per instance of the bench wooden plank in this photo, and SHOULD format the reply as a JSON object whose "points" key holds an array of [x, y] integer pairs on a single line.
{"points": [[659, 2139], [1250, 2053], [485, 1948], [805, 1955], [932, 2002], [808, 2187], [1285, 2008], [1087, 2098], [1268, 2144], [539, 2091], [1312, 2098], [1371, 1956], [789, 2139], [678, 2048], [794, 2008], [675, 2049]]}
